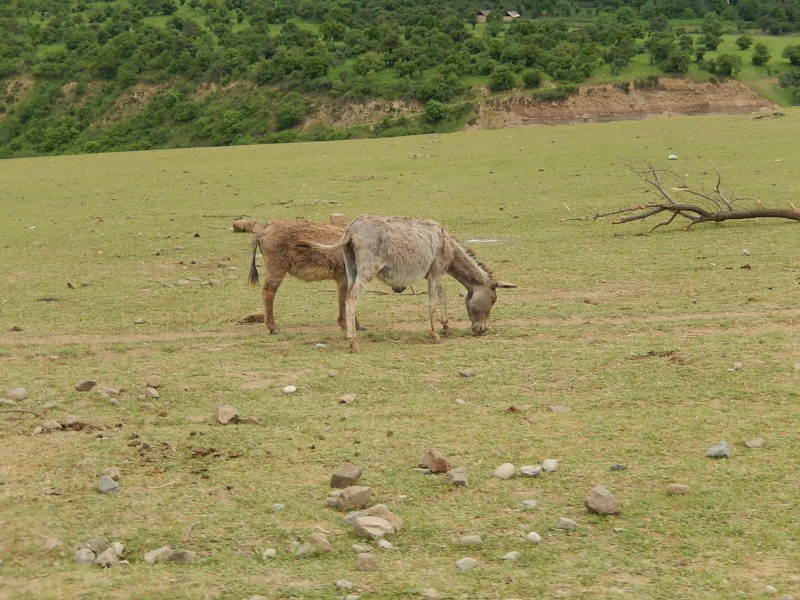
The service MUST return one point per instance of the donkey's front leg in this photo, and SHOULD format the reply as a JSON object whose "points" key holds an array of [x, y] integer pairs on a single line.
{"points": [[433, 294], [443, 308]]}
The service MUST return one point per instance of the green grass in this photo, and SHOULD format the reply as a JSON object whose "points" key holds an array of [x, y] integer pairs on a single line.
{"points": [[594, 300]]}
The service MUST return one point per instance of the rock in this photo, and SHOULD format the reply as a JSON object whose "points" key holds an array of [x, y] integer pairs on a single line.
{"points": [[351, 517], [107, 390], [258, 598], [6, 402], [51, 425], [514, 555], [305, 549], [96, 545], [367, 562], [602, 502], [154, 381], [372, 527], [430, 594], [677, 489], [17, 394], [434, 461], [162, 554], [505, 471], [278, 507], [348, 398], [720, 450], [756, 443], [151, 392], [384, 544], [269, 553], [246, 226], [565, 523], [118, 548], [460, 402], [619, 467], [470, 540], [353, 497], [84, 556], [51, 543], [359, 549], [346, 475], [320, 542], [530, 471], [466, 563], [112, 472], [107, 485], [107, 558], [457, 477], [225, 414], [770, 590], [533, 537], [550, 465], [85, 385], [380, 510], [466, 373], [338, 219], [529, 504], [344, 584], [289, 389], [138, 321]]}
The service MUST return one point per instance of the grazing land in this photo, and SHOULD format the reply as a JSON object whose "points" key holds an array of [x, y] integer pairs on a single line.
{"points": [[116, 267]]}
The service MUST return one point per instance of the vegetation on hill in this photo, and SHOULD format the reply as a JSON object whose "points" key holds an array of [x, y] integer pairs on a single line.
{"points": [[139, 74]]}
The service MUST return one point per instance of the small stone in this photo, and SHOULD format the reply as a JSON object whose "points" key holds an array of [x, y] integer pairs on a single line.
{"points": [[51, 425], [434, 461], [359, 549], [258, 598], [380, 510], [619, 467], [249, 421], [466, 563], [158, 555], [351, 517], [331, 501], [269, 553], [385, 544], [550, 465], [460, 402], [466, 373], [305, 549], [289, 389], [112, 472], [430, 594], [421, 470], [770, 590], [319, 346], [151, 392], [372, 527], [348, 398], [737, 366], [118, 548], [533, 537], [529, 504], [107, 558], [154, 381], [320, 542], [720, 450], [672, 157], [745, 252], [96, 545], [225, 414], [618, 530], [147, 406], [85, 385], [513, 555], [107, 485], [38, 430], [346, 475], [367, 562], [138, 321], [84, 556], [353, 497], [785, 597], [52, 543], [505, 471], [344, 584], [17, 394], [278, 507], [470, 540], [677, 489], [530, 471], [457, 477], [756, 443], [565, 523], [602, 502]]}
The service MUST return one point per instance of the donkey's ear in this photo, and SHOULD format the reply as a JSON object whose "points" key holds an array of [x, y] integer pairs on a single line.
{"points": [[504, 284]]}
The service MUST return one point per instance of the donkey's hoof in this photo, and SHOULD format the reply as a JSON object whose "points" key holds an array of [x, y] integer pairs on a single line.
{"points": [[274, 331]]}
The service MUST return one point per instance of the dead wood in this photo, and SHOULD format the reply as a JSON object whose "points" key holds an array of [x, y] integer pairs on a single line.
{"points": [[695, 205]]}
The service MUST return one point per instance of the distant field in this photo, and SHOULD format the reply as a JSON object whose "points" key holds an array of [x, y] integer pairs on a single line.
{"points": [[636, 334]]}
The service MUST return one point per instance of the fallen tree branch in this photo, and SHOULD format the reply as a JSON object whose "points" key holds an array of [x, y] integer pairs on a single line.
{"points": [[712, 206]]}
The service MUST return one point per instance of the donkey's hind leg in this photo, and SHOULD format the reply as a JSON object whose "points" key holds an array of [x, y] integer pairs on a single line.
{"points": [[271, 285]]}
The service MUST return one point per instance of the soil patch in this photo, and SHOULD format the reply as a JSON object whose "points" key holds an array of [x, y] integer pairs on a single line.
{"points": [[605, 103]]}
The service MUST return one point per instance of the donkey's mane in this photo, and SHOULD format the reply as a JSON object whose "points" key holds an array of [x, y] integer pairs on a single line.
{"points": [[471, 253]]}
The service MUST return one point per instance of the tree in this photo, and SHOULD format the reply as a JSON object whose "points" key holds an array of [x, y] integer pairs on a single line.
{"points": [[725, 65], [369, 61], [435, 111], [761, 55], [533, 79], [743, 42], [502, 78], [677, 61], [710, 41], [291, 111], [792, 53]]}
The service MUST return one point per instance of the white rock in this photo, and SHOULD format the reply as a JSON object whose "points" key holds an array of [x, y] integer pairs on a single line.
{"points": [[466, 563], [118, 548], [770, 590], [672, 157], [470, 540], [289, 389], [513, 555], [530, 470], [505, 471], [344, 584], [269, 553], [533, 537], [550, 465], [385, 544]]}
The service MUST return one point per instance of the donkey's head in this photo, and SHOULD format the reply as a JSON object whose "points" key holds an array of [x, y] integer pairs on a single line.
{"points": [[479, 300]]}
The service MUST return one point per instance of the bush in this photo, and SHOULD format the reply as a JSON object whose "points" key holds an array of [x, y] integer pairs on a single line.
{"points": [[502, 78], [761, 55], [291, 111], [532, 79], [743, 42], [792, 53], [435, 111], [556, 94]]}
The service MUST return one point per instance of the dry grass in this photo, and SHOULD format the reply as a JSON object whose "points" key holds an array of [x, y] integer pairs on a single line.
{"points": [[596, 306]]}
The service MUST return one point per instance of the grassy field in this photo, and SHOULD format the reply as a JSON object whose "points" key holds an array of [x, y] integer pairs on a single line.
{"points": [[599, 309]]}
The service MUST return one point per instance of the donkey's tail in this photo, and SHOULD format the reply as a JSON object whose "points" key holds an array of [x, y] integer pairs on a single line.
{"points": [[327, 247], [253, 278]]}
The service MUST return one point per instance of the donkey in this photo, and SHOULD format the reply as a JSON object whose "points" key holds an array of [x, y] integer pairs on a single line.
{"points": [[400, 251], [283, 253]]}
